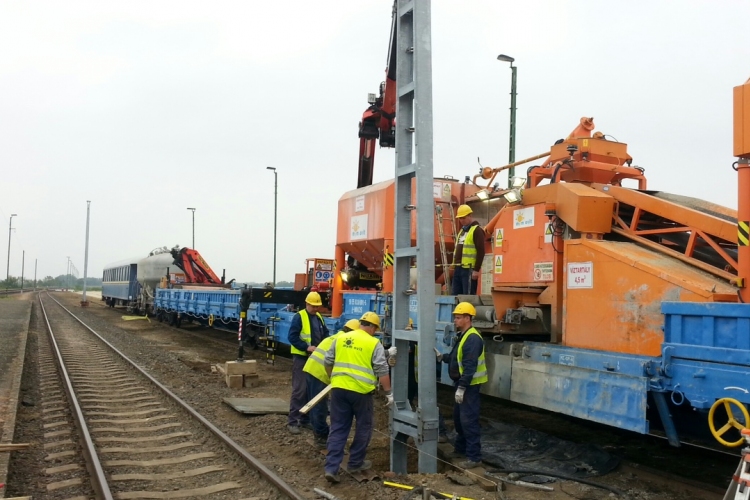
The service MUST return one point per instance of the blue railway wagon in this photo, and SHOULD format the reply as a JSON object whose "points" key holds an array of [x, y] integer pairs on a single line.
{"points": [[120, 283], [704, 364]]}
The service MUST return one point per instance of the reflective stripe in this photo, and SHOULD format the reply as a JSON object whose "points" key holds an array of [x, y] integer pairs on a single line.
{"points": [[352, 368], [306, 333], [480, 376], [357, 368], [315, 365], [469, 249]]}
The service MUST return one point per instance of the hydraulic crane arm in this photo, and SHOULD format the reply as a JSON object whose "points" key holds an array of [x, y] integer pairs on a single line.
{"points": [[379, 118], [195, 268]]}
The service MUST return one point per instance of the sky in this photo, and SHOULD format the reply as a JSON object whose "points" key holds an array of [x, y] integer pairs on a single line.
{"points": [[147, 108]]}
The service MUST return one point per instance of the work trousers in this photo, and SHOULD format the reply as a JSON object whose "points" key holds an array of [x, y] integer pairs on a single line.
{"points": [[466, 420], [462, 283], [346, 406], [319, 413], [299, 391]]}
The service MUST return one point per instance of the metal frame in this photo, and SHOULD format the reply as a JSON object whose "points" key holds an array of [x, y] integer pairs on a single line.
{"points": [[414, 162]]}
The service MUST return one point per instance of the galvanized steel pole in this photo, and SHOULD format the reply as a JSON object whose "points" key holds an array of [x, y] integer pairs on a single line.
{"points": [[66, 281], [275, 199], [84, 302], [35, 273], [193, 210], [512, 138], [7, 269], [23, 262]]}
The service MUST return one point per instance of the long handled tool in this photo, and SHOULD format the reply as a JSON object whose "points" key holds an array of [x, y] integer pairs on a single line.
{"points": [[317, 399]]}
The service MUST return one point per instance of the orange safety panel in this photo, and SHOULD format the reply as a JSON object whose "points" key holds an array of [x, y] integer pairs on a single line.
{"points": [[613, 291], [522, 247], [742, 120]]}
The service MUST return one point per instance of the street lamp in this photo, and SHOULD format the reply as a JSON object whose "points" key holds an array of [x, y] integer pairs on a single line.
{"points": [[512, 142], [193, 210], [7, 269], [275, 198]]}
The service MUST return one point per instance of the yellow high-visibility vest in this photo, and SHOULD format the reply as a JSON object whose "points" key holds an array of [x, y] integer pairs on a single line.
{"points": [[480, 376], [315, 365], [352, 368], [306, 333], [469, 252]]}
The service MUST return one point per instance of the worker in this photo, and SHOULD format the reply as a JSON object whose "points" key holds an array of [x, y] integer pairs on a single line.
{"points": [[468, 254], [306, 331], [355, 362], [412, 385], [468, 371], [318, 379]]}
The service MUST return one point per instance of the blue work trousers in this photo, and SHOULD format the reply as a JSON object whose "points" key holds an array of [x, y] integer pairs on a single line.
{"points": [[346, 406], [466, 420], [319, 412], [299, 392], [462, 283]]}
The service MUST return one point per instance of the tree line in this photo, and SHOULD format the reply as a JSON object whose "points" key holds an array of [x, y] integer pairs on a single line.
{"points": [[61, 281]]}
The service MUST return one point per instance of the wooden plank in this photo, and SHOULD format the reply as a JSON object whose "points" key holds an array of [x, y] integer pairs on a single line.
{"points": [[135, 429], [168, 475], [64, 484], [153, 449], [62, 468], [164, 461], [194, 492], [317, 399], [160, 437], [259, 406]]}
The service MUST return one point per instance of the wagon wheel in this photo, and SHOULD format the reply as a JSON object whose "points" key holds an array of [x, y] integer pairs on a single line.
{"points": [[731, 424]]}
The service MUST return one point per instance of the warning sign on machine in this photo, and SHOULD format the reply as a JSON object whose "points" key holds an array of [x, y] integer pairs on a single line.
{"points": [[543, 271], [580, 275]]}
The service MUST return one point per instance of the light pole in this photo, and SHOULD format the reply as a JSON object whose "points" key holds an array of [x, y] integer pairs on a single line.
{"points": [[7, 269], [193, 210], [512, 142], [67, 274], [275, 198], [85, 302]]}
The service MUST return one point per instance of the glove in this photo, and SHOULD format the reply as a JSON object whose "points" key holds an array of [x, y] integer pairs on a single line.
{"points": [[460, 394], [392, 351], [388, 399], [391, 361], [438, 355]]}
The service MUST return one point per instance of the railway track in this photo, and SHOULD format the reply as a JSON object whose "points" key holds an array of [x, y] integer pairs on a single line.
{"points": [[113, 431]]}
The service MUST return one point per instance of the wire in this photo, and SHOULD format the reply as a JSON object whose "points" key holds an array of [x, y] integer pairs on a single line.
{"points": [[559, 476]]}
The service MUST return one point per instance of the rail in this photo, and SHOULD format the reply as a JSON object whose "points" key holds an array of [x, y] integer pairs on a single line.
{"points": [[249, 459]]}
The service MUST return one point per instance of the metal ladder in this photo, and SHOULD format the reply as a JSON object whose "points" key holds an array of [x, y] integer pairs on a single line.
{"points": [[414, 162], [446, 262]]}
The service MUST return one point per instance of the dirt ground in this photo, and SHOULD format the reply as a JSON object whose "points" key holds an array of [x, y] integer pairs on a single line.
{"points": [[183, 362]]}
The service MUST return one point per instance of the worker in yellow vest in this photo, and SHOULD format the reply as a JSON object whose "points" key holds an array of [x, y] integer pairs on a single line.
{"points": [[467, 369], [468, 253], [318, 379], [355, 362], [308, 329]]}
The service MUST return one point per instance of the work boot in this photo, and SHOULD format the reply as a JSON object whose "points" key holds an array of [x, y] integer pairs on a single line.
{"points": [[321, 442], [442, 438], [332, 478], [306, 425], [469, 464], [293, 429], [457, 454], [367, 464]]}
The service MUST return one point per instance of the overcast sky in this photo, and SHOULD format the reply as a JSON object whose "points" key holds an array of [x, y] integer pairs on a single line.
{"points": [[147, 108]]}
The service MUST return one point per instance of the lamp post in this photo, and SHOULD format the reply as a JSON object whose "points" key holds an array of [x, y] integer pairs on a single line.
{"points": [[275, 198], [512, 142], [7, 268], [193, 210], [67, 273]]}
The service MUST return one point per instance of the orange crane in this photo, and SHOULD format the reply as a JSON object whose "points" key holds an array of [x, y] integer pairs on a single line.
{"points": [[379, 119], [197, 271]]}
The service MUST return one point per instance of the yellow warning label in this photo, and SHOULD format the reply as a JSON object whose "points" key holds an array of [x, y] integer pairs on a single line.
{"points": [[498, 264], [743, 233], [499, 238]]}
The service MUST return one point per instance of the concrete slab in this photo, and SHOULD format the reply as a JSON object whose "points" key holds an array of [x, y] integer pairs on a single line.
{"points": [[259, 406]]}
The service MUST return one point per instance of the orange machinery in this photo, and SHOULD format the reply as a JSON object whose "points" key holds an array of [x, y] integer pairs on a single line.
{"points": [[365, 230], [588, 262]]}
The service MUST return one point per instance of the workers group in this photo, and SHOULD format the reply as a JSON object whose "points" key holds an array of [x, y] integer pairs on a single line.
{"points": [[353, 362]]}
